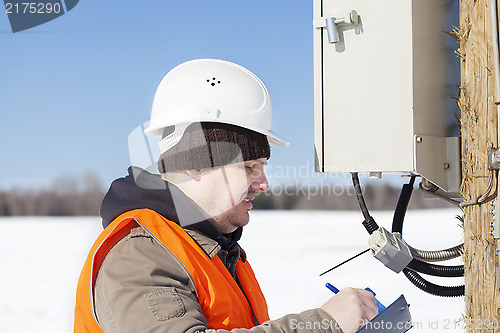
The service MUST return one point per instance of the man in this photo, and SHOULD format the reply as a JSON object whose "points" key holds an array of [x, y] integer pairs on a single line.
{"points": [[168, 259]]}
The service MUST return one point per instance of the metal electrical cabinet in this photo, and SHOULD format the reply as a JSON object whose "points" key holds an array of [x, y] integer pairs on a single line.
{"points": [[384, 78]]}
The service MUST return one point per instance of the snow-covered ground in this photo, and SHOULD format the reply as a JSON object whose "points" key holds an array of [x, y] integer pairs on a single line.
{"points": [[41, 258]]}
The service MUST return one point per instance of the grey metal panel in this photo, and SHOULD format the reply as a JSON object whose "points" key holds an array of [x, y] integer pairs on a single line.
{"points": [[384, 81]]}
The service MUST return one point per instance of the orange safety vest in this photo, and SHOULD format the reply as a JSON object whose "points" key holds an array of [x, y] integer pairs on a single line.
{"points": [[222, 301]]}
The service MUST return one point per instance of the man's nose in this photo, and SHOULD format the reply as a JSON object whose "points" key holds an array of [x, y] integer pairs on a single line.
{"points": [[260, 184]]}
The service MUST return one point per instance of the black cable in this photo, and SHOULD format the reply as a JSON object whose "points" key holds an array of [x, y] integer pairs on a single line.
{"points": [[420, 266], [402, 206], [431, 288], [415, 265], [435, 270], [369, 223], [397, 226]]}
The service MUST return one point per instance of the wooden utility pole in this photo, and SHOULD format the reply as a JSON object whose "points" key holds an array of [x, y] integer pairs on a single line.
{"points": [[479, 132]]}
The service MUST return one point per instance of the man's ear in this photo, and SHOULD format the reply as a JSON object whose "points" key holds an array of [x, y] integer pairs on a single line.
{"points": [[194, 174]]}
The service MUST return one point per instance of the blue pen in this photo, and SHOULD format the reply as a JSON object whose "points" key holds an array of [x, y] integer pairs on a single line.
{"points": [[380, 306], [332, 288]]}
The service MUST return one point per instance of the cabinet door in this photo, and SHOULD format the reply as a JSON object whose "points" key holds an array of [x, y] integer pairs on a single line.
{"points": [[384, 82]]}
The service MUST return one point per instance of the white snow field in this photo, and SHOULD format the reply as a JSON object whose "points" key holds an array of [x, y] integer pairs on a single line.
{"points": [[41, 258]]}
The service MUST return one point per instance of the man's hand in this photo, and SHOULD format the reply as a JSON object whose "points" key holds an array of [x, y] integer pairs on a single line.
{"points": [[352, 308]]}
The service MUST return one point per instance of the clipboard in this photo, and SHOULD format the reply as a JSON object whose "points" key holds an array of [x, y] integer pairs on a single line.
{"points": [[395, 318]]}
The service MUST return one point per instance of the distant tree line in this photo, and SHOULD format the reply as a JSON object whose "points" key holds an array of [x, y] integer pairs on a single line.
{"points": [[331, 197], [70, 196]]}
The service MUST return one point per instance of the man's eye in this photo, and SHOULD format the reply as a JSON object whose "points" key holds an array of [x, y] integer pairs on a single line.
{"points": [[249, 168]]}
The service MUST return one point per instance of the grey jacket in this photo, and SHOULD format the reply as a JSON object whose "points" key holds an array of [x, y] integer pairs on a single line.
{"points": [[140, 287]]}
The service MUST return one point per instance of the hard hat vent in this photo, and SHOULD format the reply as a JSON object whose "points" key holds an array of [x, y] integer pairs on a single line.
{"points": [[213, 81]]}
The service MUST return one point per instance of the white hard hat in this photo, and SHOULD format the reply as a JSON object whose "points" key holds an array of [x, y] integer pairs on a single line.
{"points": [[210, 90]]}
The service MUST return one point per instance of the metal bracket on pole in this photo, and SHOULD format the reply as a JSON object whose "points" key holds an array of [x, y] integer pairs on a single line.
{"points": [[494, 159], [495, 222], [494, 164]]}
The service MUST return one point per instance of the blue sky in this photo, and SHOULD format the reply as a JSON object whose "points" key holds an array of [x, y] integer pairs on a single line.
{"points": [[73, 89]]}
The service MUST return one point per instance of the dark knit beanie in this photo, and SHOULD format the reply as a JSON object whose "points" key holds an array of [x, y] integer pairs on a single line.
{"points": [[206, 145]]}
